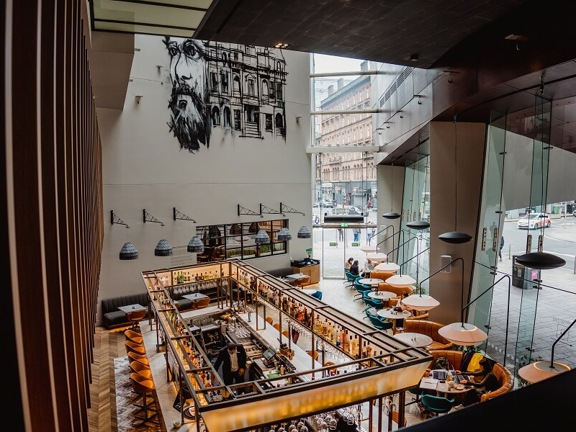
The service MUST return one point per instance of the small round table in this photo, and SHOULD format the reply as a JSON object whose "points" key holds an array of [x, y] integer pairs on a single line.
{"points": [[382, 295], [370, 281], [377, 257], [417, 340], [391, 314]]}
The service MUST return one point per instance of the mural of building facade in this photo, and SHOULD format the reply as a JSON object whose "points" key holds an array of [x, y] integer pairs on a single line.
{"points": [[238, 88]]}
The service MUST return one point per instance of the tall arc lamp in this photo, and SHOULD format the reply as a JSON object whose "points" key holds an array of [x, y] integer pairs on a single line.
{"points": [[541, 369], [425, 302], [466, 334], [401, 279]]}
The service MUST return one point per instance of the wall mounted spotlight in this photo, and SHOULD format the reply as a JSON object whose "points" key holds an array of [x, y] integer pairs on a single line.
{"points": [[147, 217], [116, 220], [138, 97], [181, 216]]}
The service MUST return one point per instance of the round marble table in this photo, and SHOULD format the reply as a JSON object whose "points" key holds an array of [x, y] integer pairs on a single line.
{"points": [[382, 295], [393, 315], [370, 281], [417, 340]]}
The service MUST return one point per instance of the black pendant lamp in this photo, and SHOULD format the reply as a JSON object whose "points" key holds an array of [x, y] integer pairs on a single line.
{"points": [[392, 214], [420, 224], [541, 260], [455, 237]]}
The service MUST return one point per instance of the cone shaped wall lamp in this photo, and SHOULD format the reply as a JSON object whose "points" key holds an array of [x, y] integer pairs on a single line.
{"points": [[128, 252], [195, 245]]}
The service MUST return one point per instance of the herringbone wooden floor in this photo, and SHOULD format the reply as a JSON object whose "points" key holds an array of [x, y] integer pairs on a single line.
{"points": [[105, 399]]}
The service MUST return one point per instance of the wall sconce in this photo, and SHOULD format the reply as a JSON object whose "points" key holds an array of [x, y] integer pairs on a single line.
{"points": [[181, 216], [298, 118], [116, 220], [138, 97], [128, 252], [195, 245], [163, 248], [268, 210], [147, 217], [287, 209], [247, 212]]}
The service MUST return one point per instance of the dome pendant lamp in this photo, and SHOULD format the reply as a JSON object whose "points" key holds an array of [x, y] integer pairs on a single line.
{"points": [[455, 237], [391, 214]]}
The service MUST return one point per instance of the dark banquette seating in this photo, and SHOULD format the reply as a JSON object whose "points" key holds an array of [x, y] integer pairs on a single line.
{"points": [[112, 317]]}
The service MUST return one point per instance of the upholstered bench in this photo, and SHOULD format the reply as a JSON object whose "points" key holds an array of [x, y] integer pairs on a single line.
{"points": [[504, 376], [112, 317], [428, 328]]}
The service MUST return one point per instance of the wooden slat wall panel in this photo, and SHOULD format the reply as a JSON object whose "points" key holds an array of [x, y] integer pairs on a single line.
{"points": [[53, 218]]}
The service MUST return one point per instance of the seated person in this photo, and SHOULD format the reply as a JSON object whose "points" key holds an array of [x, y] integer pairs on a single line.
{"points": [[484, 382], [354, 269], [348, 263], [369, 267]]}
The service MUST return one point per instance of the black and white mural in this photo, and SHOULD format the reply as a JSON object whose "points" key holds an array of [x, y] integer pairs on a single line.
{"points": [[238, 88]]}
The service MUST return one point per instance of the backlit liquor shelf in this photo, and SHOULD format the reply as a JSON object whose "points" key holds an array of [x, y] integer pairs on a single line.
{"points": [[372, 365]]}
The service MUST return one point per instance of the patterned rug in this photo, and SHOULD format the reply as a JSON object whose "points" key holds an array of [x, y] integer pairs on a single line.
{"points": [[126, 418]]}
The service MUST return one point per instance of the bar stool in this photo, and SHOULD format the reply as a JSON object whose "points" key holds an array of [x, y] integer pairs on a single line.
{"points": [[133, 356], [134, 347], [134, 336], [145, 389], [141, 368]]}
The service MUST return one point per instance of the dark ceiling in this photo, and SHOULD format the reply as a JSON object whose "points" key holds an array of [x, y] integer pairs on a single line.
{"points": [[501, 52], [405, 32]]}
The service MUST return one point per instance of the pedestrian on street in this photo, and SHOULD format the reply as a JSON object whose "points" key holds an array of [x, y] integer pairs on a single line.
{"points": [[501, 247]]}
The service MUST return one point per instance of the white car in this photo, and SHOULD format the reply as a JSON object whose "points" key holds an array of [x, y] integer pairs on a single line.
{"points": [[534, 221]]}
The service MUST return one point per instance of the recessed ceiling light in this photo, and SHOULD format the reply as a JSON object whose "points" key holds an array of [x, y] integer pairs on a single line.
{"points": [[516, 37], [281, 45]]}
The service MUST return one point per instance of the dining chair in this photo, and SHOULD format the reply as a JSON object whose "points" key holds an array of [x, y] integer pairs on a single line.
{"points": [[437, 404], [375, 303], [135, 317], [379, 323]]}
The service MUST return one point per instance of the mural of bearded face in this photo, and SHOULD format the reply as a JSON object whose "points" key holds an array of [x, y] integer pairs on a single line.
{"points": [[189, 121]]}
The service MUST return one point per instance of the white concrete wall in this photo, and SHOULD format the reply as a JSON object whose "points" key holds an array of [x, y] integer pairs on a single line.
{"points": [[143, 167]]}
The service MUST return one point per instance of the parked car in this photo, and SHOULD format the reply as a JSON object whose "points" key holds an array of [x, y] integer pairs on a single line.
{"points": [[574, 213], [534, 221]]}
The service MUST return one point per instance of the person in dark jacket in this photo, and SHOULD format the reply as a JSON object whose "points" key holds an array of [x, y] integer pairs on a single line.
{"points": [[233, 360]]}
